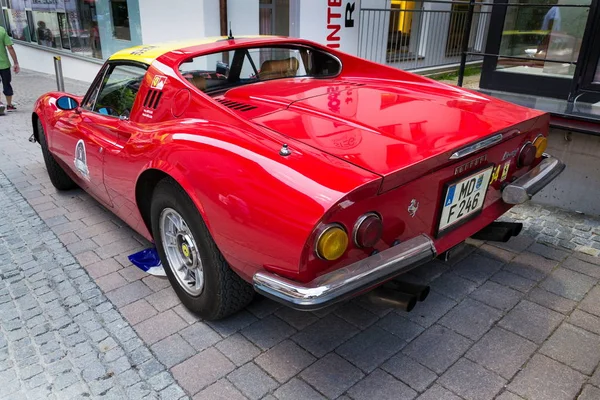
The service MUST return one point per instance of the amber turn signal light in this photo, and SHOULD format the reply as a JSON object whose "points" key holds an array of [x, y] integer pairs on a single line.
{"points": [[332, 242], [540, 144], [367, 230]]}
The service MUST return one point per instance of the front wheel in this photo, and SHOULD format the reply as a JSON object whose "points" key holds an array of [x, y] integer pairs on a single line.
{"points": [[194, 265]]}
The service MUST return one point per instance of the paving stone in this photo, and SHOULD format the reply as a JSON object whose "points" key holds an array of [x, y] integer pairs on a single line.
{"points": [[172, 350], [262, 306], [453, 286], [546, 379], [186, 314], [497, 296], [436, 392], [516, 244], [356, 315], [128, 294], [589, 392], [428, 312], [380, 385], [569, 284], [381, 346], [297, 319], [156, 283], [550, 252], [477, 268], [331, 375], [238, 349], [325, 335], [502, 351], [437, 348], [410, 372], [471, 381], [497, 253], [400, 327], [575, 347], [160, 326], [201, 370], [591, 302], [531, 266], [285, 360], [513, 281], [508, 396], [582, 266], [164, 299], [233, 324], [253, 382], [200, 336], [471, 318], [267, 332], [586, 321], [297, 390], [103, 267], [531, 321], [551, 301], [220, 390], [137, 312]]}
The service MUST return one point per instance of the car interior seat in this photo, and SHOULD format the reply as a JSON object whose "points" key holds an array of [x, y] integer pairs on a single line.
{"points": [[272, 69], [198, 81]]}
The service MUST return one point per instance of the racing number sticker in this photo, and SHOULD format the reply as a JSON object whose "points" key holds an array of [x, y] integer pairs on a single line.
{"points": [[81, 159]]}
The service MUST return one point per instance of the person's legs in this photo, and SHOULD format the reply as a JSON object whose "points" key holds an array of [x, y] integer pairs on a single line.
{"points": [[7, 89]]}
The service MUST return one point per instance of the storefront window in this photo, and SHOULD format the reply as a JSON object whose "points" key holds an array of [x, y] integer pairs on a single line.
{"points": [[549, 37], [90, 28]]}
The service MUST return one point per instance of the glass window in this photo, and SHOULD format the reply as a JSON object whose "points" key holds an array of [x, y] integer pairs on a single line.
{"points": [[90, 28], [119, 90], [550, 37], [120, 18], [213, 73]]}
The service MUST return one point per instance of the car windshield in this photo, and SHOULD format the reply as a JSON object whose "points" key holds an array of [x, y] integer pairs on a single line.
{"points": [[213, 73]]}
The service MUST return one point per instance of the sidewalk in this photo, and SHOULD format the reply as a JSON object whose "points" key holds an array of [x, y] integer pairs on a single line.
{"points": [[509, 321]]}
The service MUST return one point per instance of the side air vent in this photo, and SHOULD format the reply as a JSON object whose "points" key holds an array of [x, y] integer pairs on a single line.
{"points": [[152, 99], [235, 105]]}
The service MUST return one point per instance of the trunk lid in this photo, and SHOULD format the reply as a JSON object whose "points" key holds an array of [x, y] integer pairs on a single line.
{"points": [[398, 131]]}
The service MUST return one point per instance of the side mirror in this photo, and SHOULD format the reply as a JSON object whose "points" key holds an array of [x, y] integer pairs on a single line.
{"points": [[67, 103]]}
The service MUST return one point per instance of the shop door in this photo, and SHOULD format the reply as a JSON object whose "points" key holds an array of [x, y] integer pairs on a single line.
{"points": [[588, 70], [541, 45]]}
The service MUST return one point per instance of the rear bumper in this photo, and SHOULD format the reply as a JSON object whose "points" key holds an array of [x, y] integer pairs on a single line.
{"points": [[533, 181], [346, 282]]}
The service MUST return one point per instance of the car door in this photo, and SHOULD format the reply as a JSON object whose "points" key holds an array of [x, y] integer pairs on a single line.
{"points": [[100, 123]]}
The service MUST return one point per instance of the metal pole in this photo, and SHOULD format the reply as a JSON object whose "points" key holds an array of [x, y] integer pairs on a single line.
{"points": [[465, 42], [60, 80]]}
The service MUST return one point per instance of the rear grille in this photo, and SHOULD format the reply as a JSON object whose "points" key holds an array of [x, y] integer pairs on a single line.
{"points": [[152, 99], [235, 105]]}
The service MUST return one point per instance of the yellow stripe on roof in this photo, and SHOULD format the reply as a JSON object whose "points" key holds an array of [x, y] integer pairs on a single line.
{"points": [[148, 53]]}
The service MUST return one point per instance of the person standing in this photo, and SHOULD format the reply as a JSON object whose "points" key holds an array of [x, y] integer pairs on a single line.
{"points": [[6, 47]]}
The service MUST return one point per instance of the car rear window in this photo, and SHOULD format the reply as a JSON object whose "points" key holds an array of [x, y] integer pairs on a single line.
{"points": [[213, 73]]}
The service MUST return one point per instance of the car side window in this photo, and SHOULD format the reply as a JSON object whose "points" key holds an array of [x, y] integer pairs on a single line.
{"points": [[119, 90]]}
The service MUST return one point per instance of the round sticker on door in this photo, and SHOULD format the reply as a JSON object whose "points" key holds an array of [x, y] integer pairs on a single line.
{"points": [[81, 159]]}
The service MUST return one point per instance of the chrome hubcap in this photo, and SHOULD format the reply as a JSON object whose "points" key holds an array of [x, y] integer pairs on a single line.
{"points": [[181, 251]]}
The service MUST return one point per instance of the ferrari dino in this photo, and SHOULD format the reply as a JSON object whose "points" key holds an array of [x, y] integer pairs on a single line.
{"points": [[283, 167]]}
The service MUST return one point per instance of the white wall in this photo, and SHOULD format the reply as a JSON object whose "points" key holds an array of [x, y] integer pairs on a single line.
{"points": [[243, 15], [43, 61], [172, 20]]}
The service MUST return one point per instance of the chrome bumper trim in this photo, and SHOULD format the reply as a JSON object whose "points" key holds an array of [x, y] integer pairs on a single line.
{"points": [[533, 181], [345, 282]]}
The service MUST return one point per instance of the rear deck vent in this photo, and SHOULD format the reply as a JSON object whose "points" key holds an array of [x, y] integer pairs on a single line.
{"points": [[235, 105], [152, 99]]}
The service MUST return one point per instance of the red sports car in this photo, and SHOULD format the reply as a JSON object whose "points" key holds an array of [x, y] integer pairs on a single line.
{"points": [[281, 166]]}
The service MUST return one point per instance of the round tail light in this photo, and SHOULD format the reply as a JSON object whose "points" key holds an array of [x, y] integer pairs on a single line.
{"points": [[540, 144], [332, 242], [367, 230], [526, 155]]}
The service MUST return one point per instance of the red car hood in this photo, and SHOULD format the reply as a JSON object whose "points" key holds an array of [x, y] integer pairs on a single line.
{"points": [[386, 129]]}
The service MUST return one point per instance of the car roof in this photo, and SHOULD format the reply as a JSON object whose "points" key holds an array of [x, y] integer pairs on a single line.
{"points": [[148, 53]]}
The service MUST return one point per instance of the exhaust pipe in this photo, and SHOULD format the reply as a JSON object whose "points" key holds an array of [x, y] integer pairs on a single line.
{"points": [[499, 231], [419, 291], [383, 296]]}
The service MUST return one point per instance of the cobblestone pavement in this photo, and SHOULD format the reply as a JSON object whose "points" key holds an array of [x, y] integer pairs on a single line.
{"points": [[509, 321]]}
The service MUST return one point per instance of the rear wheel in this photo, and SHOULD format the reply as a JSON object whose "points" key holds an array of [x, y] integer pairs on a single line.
{"points": [[194, 265], [59, 178]]}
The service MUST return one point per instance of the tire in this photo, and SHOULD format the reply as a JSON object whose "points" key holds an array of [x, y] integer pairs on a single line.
{"points": [[223, 292], [59, 178]]}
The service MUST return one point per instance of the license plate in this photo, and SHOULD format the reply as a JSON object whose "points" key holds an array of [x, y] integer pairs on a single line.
{"points": [[464, 198]]}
